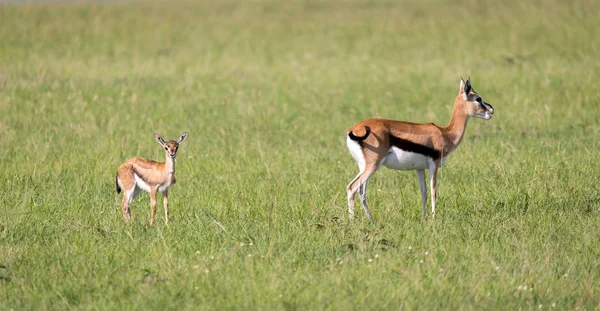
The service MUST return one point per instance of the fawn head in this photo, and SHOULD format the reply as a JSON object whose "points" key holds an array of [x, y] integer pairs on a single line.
{"points": [[171, 145], [475, 105]]}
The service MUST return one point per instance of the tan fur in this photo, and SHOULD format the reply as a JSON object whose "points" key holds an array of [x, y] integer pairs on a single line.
{"points": [[157, 176], [444, 140]]}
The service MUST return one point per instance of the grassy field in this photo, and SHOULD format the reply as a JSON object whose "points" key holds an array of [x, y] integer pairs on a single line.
{"points": [[266, 90]]}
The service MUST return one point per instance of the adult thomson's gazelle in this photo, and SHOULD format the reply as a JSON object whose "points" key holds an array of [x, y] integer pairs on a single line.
{"points": [[142, 174], [410, 146]]}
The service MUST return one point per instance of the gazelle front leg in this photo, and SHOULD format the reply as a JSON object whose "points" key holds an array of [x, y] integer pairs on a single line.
{"points": [[433, 169], [166, 204], [423, 187], [152, 203]]}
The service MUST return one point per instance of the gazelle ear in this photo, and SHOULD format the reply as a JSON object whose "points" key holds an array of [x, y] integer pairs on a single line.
{"points": [[182, 137], [461, 86], [159, 140], [468, 86]]}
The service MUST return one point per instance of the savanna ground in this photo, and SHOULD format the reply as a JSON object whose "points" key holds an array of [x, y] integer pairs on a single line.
{"points": [[266, 90]]}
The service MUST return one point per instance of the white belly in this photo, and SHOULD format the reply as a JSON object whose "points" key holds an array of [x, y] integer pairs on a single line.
{"points": [[398, 159], [140, 183]]}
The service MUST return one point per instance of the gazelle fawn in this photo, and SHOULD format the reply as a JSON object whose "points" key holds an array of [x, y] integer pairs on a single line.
{"points": [[403, 145], [142, 174]]}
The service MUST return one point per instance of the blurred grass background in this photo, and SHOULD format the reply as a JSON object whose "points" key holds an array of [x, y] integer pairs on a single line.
{"points": [[266, 90]]}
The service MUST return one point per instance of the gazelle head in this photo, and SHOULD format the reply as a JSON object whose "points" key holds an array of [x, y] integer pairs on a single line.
{"points": [[171, 145], [475, 105]]}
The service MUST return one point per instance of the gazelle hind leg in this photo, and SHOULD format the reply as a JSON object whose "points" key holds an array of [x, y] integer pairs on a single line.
{"points": [[353, 187], [423, 187], [363, 198], [358, 155], [351, 195], [128, 196], [125, 205]]}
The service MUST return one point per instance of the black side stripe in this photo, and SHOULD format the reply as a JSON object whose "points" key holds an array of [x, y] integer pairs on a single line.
{"points": [[410, 146]]}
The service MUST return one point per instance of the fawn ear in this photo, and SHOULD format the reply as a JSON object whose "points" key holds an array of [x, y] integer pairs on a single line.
{"points": [[182, 137], [159, 140], [464, 88], [468, 86]]}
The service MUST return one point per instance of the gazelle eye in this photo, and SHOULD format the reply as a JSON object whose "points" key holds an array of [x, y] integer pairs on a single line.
{"points": [[478, 100], [166, 148]]}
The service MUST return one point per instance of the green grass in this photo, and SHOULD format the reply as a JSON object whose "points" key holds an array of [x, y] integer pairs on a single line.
{"points": [[266, 90]]}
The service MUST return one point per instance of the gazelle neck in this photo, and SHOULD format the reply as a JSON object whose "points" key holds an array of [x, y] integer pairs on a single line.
{"points": [[170, 165], [458, 124]]}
